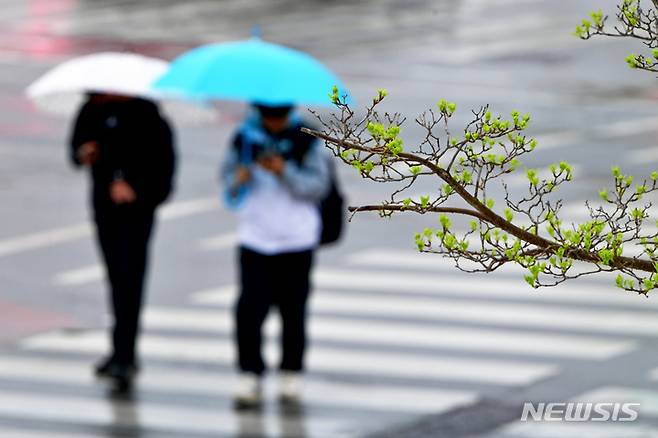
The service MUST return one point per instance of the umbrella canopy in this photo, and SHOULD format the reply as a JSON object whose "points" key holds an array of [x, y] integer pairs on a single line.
{"points": [[251, 70], [63, 89]]}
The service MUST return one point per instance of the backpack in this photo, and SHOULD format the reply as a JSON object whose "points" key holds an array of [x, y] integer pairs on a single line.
{"points": [[332, 210], [332, 207]]}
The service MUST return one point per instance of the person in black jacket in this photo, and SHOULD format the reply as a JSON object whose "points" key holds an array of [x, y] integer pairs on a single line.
{"points": [[129, 148]]}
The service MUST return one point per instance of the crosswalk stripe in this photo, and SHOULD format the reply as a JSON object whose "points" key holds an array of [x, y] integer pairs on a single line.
{"points": [[643, 156], [622, 128], [461, 54], [56, 236], [509, 276], [520, 179], [24, 433], [192, 207], [473, 311], [95, 272], [468, 285], [554, 429], [647, 399], [327, 359], [181, 381], [219, 242], [43, 239], [83, 275], [100, 413], [579, 211], [391, 333], [653, 375], [648, 407], [558, 139], [625, 128]]}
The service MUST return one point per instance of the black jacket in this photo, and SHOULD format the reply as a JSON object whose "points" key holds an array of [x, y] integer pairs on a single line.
{"points": [[136, 144]]}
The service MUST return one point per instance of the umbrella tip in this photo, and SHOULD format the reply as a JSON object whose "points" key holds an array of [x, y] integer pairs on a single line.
{"points": [[256, 31]]}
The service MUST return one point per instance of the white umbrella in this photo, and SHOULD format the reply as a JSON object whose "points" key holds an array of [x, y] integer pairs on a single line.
{"points": [[62, 90]]}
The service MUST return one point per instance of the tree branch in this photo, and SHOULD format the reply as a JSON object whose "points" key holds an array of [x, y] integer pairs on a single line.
{"points": [[484, 213]]}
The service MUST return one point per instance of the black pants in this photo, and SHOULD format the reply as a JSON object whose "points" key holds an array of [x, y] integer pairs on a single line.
{"points": [[280, 280], [123, 234]]}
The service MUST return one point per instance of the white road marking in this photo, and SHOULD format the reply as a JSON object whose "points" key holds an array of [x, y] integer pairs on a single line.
{"points": [[557, 429], [8, 432], [486, 285], [76, 277], [219, 242], [627, 128], [643, 156], [647, 399], [164, 417], [44, 239], [474, 311], [391, 333], [48, 238], [473, 52], [622, 128], [192, 207], [199, 381], [324, 359], [94, 273], [573, 291], [557, 139]]}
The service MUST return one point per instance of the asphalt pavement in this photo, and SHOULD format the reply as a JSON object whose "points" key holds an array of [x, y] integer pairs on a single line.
{"points": [[403, 345]]}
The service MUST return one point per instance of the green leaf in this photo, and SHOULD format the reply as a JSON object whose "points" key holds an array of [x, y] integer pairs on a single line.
{"points": [[603, 194], [632, 61], [616, 172], [619, 281], [597, 17], [335, 98], [532, 177]]}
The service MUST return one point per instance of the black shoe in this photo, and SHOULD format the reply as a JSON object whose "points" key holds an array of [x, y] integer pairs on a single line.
{"points": [[121, 373], [102, 368]]}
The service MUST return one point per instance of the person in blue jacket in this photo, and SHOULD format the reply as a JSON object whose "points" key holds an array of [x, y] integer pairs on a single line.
{"points": [[275, 175]]}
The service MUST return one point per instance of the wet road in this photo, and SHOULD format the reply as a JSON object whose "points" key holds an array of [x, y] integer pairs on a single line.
{"points": [[396, 336]]}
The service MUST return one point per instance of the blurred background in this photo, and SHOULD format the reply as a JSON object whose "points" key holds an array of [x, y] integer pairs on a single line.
{"points": [[402, 344]]}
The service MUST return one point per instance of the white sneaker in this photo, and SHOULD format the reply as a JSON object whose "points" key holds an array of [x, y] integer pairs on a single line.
{"points": [[290, 387], [248, 393]]}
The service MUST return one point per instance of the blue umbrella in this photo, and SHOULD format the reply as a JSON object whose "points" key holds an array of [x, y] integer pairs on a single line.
{"points": [[251, 70]]}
